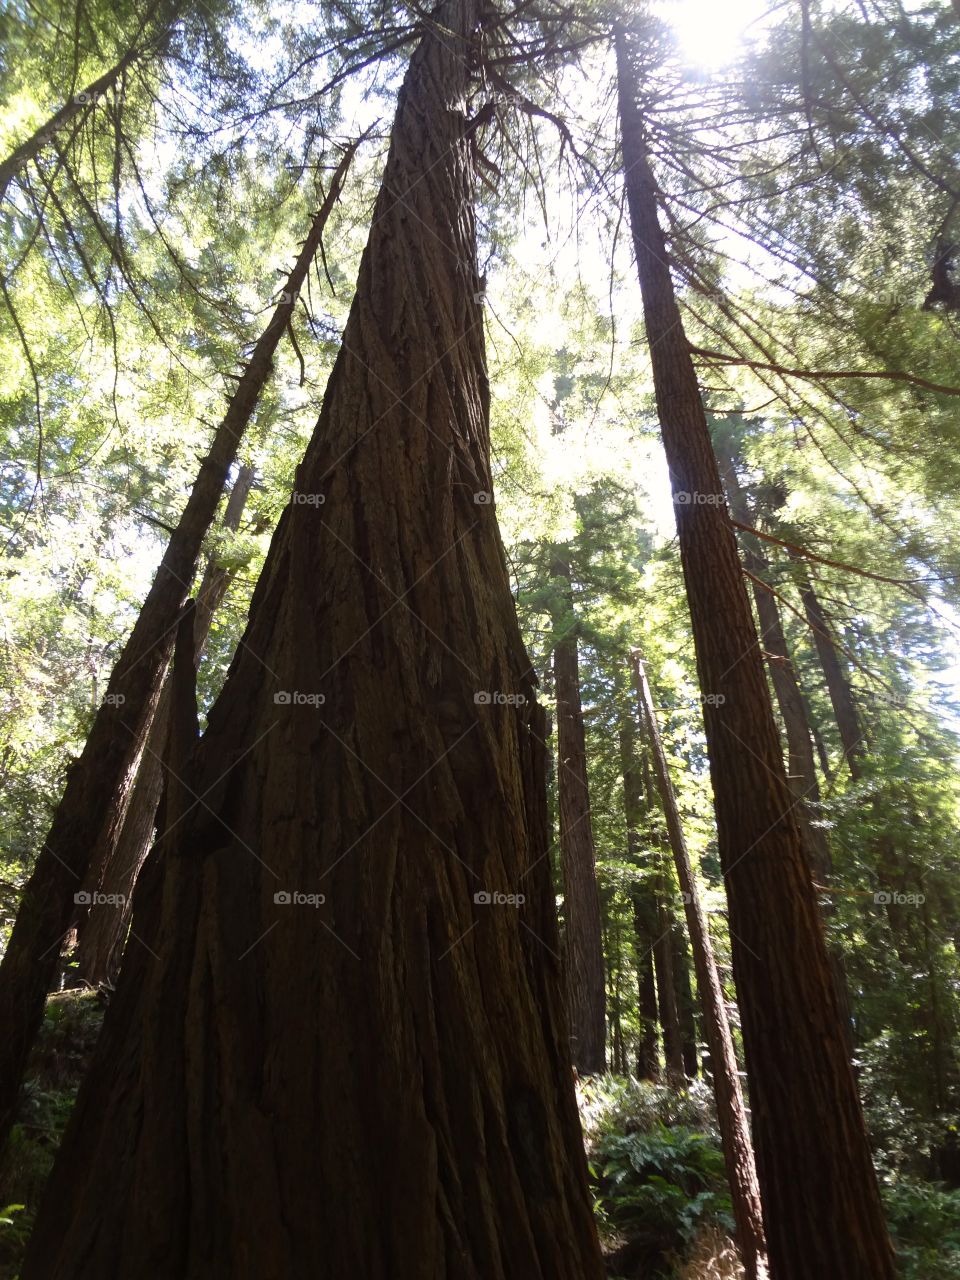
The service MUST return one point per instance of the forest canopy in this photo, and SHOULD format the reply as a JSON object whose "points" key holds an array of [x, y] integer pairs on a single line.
{"points": [[480, 639]]}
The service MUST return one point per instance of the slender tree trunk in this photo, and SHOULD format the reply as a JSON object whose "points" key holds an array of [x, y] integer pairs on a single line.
{"points": [[156, 25], [685, 1001], [667, 994], [103, 926], [344, 1050], [838, 686], [644, 909], [822, 1209], [100, 782], [731, 1111], [583, 950]]}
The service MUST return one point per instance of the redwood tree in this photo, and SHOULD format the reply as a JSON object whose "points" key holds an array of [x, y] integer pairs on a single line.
{"points": [[100, 782], [731, 1111], [342, 1047], [583, 940], [822, 1209]]}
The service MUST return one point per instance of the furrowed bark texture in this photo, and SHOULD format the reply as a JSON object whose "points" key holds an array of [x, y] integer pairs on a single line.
{"points": [[822, 1211], [114, 868], [377, 1084], [100, 783], [583, 941], [731, 1111]]}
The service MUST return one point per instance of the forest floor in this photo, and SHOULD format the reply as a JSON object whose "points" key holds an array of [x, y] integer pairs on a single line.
{"points": [[661, 1199]]}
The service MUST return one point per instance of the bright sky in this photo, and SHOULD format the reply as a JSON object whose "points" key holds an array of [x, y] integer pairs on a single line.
{"points": [[710, 31]]}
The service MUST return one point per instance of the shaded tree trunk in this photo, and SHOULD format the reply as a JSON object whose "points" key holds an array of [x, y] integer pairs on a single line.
{"points": [[838, 686], [344, 1049], [731, 1111], [583, 941], [102, 928], [801, 763], [100, 782], [822, 1210], [644, 906], [667, 993], [685, 1001]]}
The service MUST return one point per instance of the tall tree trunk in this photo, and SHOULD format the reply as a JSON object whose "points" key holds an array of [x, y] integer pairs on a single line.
{"points": [[801, 763], [100, 782], [731, 1111], [155, 27], [838, 686], [644, 906], [343, 1049], [667, 993], [822, 1209], [103, 927], [685, 1001], [583, 949]]}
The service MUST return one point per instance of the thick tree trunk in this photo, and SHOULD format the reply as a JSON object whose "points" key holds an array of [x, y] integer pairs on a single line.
{"points": [[583, 941], [731, 1111], [100, 782], [822, 1210], [103, 925], [801, 763], [344, 1050], [643, 901], [156, 25]]}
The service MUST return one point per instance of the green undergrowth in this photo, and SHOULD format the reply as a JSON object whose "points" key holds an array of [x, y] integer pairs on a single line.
{"points": [[69, 1032]]}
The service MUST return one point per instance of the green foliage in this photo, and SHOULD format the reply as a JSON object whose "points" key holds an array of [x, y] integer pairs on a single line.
{"points": [[662, 1185], [925, 1225]]}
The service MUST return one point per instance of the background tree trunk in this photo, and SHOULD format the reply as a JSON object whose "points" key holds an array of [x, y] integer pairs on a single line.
{"points": [[375, 1084], [102, 927], [99, 784], [644, 906], [583, 941], [731, 1111], [822, 1210]]}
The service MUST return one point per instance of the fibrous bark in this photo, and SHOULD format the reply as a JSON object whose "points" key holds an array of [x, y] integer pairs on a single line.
{"points": [[376, 1083], [822, 1209], [100, 782]]}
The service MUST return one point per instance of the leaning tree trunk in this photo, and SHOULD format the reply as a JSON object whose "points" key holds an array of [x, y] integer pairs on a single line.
{"points": [[156, 25], [801, 763], [822, 1209], [731, 1111], [100, 782], [102, 928], [583, 939], [342, 1048]]}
